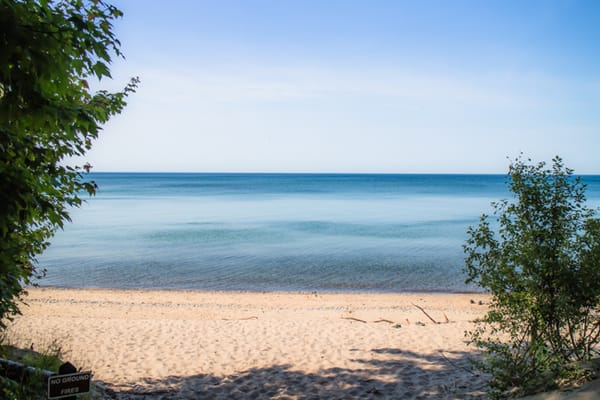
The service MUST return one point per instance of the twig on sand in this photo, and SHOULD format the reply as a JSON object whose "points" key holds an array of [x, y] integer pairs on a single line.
{"points": [[239, 319], [425, 312], [384, 320], [449, 361], [445, 316], [355, 319]]}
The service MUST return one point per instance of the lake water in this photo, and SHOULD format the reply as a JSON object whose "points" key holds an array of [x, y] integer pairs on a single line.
{"points": [[266, 232]]}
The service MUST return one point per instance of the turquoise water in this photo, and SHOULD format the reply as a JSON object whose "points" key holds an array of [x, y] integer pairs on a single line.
{"points": [[296, 232]]}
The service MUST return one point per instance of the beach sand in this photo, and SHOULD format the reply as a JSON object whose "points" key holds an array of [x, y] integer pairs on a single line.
{"points": [[238, 345]]}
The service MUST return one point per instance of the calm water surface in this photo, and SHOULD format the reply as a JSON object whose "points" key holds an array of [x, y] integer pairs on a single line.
{"points": [[275, 231]]}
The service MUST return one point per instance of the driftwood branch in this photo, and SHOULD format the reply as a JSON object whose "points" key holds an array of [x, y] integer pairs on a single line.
{"points": [[425, 312], [384, 320], [355, 319]]}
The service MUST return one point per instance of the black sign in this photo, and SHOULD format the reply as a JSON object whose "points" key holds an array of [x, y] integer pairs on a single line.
{"points": [[60, 386]]}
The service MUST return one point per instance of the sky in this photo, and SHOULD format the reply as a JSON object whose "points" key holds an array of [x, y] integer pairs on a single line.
{"points": [[369, 86]]}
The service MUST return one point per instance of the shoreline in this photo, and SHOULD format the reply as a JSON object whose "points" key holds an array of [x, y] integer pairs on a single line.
{"points": [[251, 291], [287, 345]]}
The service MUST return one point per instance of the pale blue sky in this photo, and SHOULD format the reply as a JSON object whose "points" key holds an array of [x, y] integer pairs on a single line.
{"points": [[355, 86]]}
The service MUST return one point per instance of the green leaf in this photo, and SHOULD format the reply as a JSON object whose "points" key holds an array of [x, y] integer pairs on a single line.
{"points": [[101, 70]]}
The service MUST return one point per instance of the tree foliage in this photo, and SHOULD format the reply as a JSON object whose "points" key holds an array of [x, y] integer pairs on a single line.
{"points": [[539, 257], [49, 50]]}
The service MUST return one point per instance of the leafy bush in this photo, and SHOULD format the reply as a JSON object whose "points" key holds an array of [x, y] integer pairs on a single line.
{"points": [[48, 52], [539, 257]]}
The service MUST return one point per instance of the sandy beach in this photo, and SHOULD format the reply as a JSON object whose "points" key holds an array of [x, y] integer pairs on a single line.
{"points": [[238, 345]]}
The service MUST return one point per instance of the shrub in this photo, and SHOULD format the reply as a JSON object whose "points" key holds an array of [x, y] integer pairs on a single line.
{"points": [[539, 258]]}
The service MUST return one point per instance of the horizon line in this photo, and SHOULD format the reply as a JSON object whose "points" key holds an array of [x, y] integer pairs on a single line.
{"points": [[316, 173]]}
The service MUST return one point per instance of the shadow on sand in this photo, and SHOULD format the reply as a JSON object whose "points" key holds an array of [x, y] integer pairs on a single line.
{"points": [[387, 374]]}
